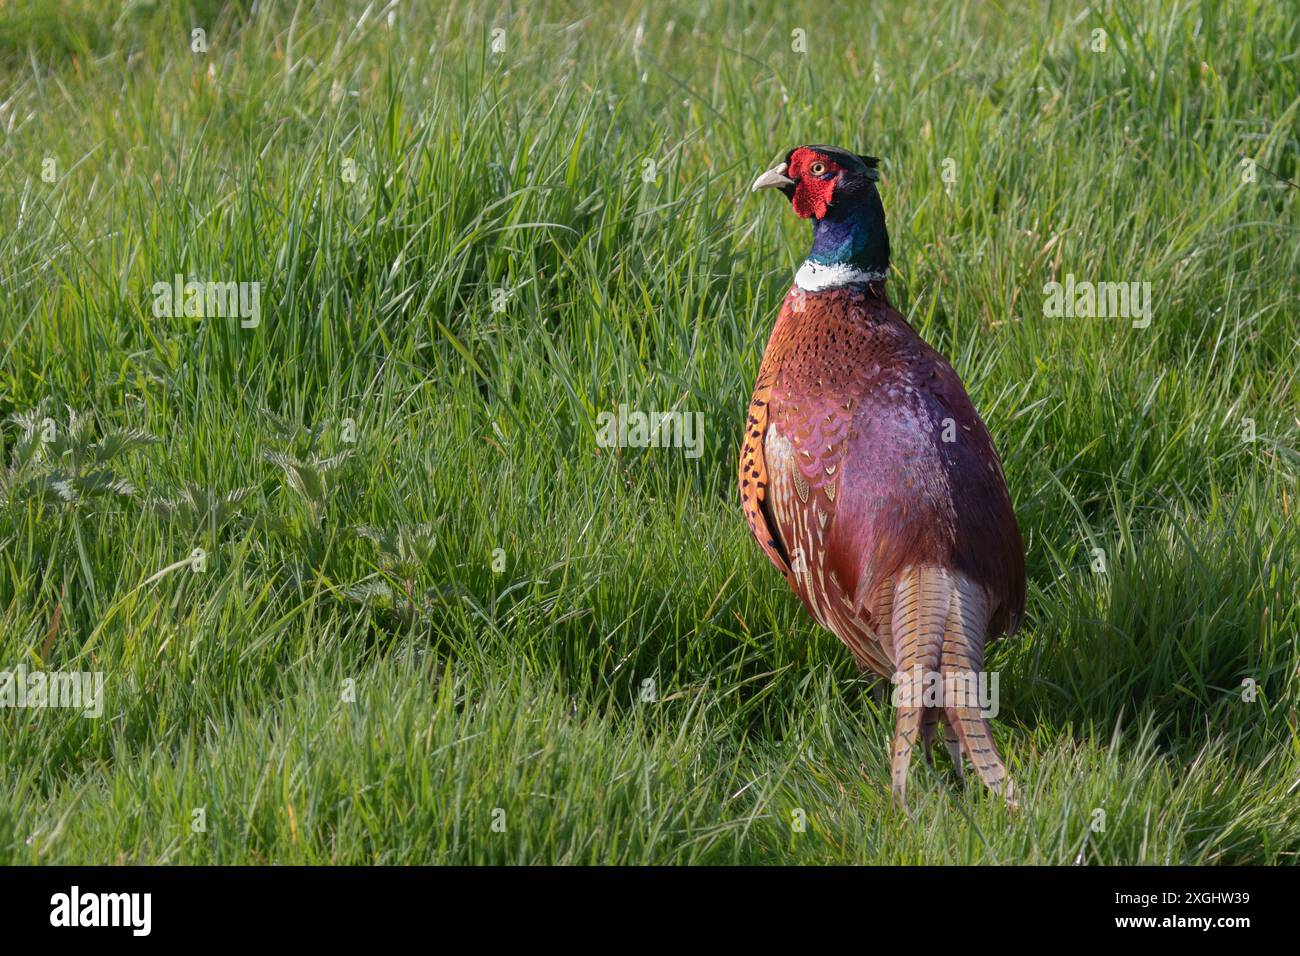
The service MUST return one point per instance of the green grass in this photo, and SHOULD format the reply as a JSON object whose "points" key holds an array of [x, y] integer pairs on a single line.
{"points": [[474, 690]]}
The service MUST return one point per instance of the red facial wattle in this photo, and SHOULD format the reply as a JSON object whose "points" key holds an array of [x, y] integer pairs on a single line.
{"points": [[812, 193], [812, 197]]}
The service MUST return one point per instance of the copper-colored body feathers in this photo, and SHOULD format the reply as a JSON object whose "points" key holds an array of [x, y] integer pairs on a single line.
{"points": [[871, 483]]}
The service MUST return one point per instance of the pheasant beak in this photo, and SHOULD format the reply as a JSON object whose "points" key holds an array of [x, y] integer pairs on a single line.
{"points": [[774, 178]]}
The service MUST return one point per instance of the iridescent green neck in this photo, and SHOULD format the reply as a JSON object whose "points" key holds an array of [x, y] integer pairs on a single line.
{"points": [[853, 235]]}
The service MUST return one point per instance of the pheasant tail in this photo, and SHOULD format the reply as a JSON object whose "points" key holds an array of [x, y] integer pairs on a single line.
{"points": [[960, 665], [938, 621], [921, 597]]}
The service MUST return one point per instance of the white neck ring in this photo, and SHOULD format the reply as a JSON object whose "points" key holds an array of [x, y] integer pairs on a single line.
{"points": [[817, 277]]}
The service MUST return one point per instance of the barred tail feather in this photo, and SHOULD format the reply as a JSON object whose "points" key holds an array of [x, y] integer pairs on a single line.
{"points": [[961, 663], [938, 622], [920, 608]]}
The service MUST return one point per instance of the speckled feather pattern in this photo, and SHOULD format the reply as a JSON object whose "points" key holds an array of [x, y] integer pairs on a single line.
{"points": [[845, 477]]}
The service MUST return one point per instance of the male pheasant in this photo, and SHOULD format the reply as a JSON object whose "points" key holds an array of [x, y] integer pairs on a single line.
{"points": [[869, 480]]}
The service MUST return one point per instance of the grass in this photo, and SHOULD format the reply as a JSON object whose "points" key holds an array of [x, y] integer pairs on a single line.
{"points": [[435, 621]]}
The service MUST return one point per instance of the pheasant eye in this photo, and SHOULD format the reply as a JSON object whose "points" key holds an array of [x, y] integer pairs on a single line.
{"points": [[817, 168]]}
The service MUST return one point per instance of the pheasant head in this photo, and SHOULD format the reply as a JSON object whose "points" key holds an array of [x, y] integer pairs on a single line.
{"points": [[836, 189]]}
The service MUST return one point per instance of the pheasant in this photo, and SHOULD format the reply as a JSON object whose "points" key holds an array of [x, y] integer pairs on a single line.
{"points": [[870, 481]]}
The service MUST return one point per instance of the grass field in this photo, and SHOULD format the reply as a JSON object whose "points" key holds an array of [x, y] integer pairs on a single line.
{"points": [[432, 619]]}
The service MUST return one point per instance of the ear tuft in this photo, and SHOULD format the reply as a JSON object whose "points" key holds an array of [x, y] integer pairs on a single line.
{"points": [[872, 162]]}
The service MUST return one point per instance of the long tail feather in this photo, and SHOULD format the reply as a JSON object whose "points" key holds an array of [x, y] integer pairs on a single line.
{"points": [[920, 609], [937, 625], [961, 663]]}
